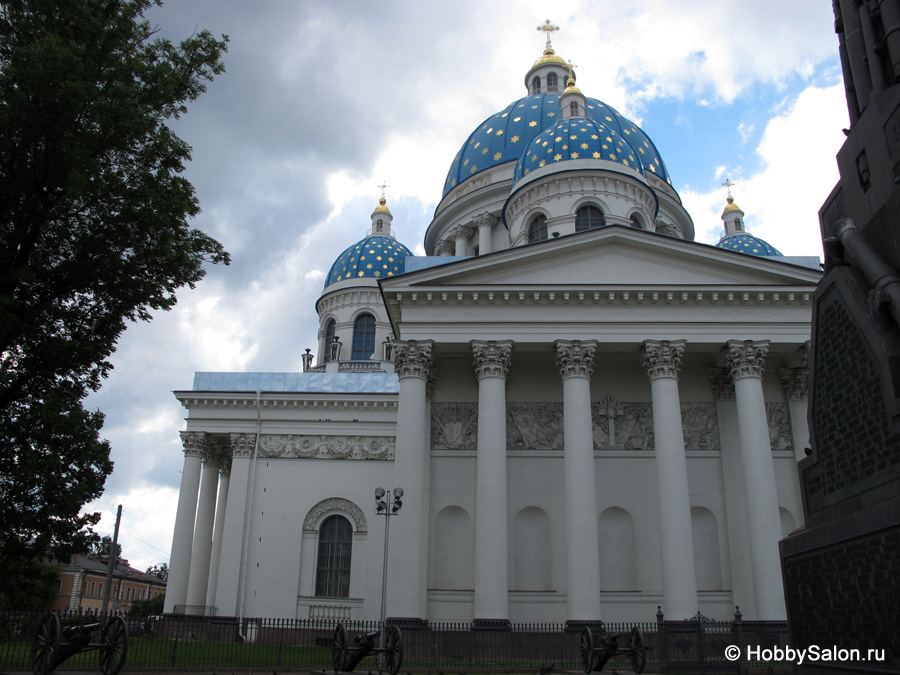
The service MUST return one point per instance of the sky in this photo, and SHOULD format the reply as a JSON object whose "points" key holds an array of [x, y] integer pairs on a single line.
{"points": [[322, 102]]}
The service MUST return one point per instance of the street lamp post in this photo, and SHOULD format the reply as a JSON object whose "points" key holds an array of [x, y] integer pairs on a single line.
{"points": [[387, 505]]}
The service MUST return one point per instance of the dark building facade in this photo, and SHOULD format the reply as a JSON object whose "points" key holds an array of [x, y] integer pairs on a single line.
{"points": [[842, 569]]}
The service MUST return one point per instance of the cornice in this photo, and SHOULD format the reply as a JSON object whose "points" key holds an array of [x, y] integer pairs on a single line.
{"points": [[238, 400], [782, 296]]}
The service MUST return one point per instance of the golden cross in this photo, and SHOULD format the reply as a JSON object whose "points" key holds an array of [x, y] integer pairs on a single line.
{"points": [[383, 186], [548, 28], [571, 74], [728, 184]]}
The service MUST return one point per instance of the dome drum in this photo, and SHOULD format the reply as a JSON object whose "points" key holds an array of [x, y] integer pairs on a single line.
{"points": [[559, 195]]}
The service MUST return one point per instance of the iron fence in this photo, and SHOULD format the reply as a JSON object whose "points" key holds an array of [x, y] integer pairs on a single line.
{"points": [[185, 642]]}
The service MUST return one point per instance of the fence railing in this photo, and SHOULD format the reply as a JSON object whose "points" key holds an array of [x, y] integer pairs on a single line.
{"points": [[184, 642]]}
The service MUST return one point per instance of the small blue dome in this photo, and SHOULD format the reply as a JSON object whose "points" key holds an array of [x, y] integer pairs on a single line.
{"points": [[504, 136], [375, 256], [577, 138], [747, 243]]}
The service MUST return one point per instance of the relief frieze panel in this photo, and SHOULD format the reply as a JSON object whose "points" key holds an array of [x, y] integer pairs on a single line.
{"points": [[615, 426], [534, 426], [779, 418], [290, 446], [454, 426], [625, 426], [701, 426]]}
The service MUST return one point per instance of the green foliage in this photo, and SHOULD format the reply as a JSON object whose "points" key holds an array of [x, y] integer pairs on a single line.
{"points": [[29, 584], [149, 607], [160, 571], [101, 549], [94, 233]]}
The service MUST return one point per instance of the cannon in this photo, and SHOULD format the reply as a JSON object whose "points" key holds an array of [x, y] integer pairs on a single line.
{"points": [[598, 648], [345, 658], [53, 644]]}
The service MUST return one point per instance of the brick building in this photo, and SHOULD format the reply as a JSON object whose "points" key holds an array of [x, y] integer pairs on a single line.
{"points": [[82, 583]]}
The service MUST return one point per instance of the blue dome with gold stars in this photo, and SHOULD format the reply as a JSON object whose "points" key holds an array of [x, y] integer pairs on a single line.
{"points": [[504, 137], [577, 138], [747, 243], [375, 257]]}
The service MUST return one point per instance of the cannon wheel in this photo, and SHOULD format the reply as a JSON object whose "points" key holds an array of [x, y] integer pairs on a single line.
{"points": [[393, 647], [637, 650], [45, 644], [587, 649], [339, 648], [115, 645]]}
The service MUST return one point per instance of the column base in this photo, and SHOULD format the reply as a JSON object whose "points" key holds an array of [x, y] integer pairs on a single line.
{"points": [[497, 625], [578, 625], [408, 623]]}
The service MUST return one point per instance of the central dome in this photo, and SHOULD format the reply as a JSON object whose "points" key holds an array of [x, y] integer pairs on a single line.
{"points": [[504, 136]]}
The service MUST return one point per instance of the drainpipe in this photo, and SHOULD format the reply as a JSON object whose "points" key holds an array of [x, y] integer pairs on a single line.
{"points": [[249, 516], [877, 272]]}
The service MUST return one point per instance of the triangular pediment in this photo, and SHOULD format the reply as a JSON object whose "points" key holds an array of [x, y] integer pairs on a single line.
{"points": [[613, 256]]}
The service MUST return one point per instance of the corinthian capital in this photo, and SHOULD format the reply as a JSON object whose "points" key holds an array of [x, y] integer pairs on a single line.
{"points": [[485, 219], [746, 358], [491, 358], [242, 445], [662, 358], [721, 383], [460, 232], [795, 378], [444, 247], [795, 383], [413, 358], [575, 357], [195, 443]]}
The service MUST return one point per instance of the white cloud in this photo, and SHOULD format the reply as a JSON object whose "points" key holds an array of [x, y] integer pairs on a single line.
{"points": [[781, 202]]}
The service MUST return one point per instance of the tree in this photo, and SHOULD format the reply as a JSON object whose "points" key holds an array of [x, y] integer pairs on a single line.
{"points": [[101, 549], [160, 571], [28, 584], [94, 233]]}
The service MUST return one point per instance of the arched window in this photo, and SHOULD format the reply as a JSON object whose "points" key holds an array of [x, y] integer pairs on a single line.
{"points": [[333, 565], [537, 231], [635, 223], [551, 82], [379, 225], [363, 337], [536, 85], [588, 218], [737, 225], [329, 338], [573, 109]]}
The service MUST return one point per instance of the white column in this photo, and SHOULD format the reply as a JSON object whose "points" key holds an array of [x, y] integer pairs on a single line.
{"points": [[491, 361], [221, 503], [201, 550], [662, 359], [228, 583], [460, 234], [746, 361], [485, 223], [406, 593], [795, 383], [180, 558], [575, 359]]}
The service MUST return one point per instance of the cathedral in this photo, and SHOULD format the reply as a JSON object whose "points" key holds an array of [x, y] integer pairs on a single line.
{"points": [[589, 413]]}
